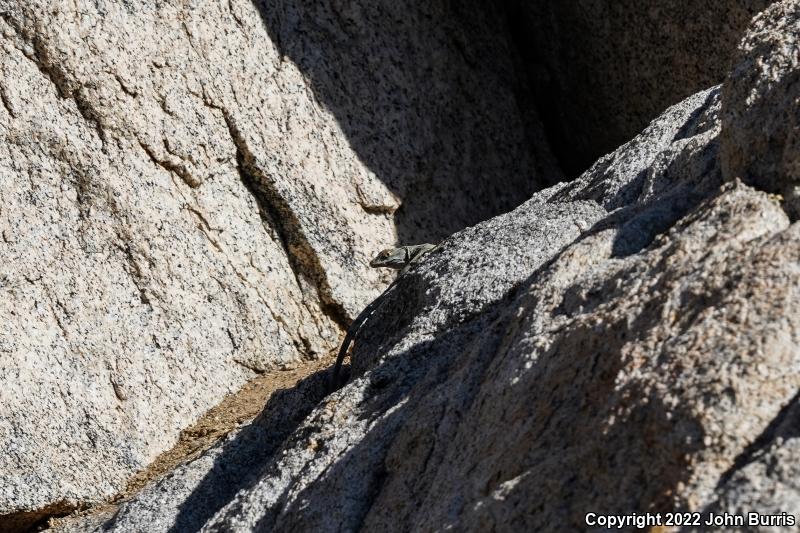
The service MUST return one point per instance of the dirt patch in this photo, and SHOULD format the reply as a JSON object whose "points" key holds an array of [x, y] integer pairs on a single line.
{"points": [[32, 520], [234, 411]]}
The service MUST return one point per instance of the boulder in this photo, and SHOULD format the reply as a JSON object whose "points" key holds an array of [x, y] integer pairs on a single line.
{"points": [[615, 343], [193, 191], [626, 366], [761, 110], [190, 193]]}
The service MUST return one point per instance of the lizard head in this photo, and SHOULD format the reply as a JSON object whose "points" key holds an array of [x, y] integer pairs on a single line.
{"points": [[390, 258]]}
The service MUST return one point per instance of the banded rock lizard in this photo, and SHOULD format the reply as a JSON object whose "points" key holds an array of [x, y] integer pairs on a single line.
{"points": [[401, 258]]}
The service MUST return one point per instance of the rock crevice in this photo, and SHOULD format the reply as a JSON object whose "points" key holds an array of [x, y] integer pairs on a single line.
{"points": [[190, 194]]}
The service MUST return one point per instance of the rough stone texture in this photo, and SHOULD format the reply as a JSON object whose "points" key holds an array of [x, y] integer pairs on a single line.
{"points": [[609, 380], [622, 343], [453, 403], [602, 70], [190, 191], [761, 116], [190, 495], [766, 477], [617, 343]]}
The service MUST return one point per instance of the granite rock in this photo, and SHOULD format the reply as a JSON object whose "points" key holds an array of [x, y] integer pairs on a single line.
{"points": [[761, 112], [615, 343], [190, 193]]}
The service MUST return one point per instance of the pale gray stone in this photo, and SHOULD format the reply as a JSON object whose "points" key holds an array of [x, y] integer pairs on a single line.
{"points": [[765, 478], [611, 343], [185, 199], [761, 113]]}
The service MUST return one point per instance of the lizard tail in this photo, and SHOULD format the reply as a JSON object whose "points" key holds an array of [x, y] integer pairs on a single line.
{"points": [[337, 368], [351, 333]]}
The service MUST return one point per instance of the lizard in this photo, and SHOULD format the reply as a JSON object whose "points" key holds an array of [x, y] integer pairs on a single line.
{"points": [[401, 258]]}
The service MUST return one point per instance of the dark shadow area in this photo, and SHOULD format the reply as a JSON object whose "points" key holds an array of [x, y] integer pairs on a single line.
{"points": [[534, 93], [699, 121], [601, 71], [638, 225], [431, 98], [543, 92], [464, 109]]}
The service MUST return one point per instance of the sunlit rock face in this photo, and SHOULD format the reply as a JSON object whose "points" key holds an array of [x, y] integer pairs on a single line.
{"points": [[191, 192]]}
